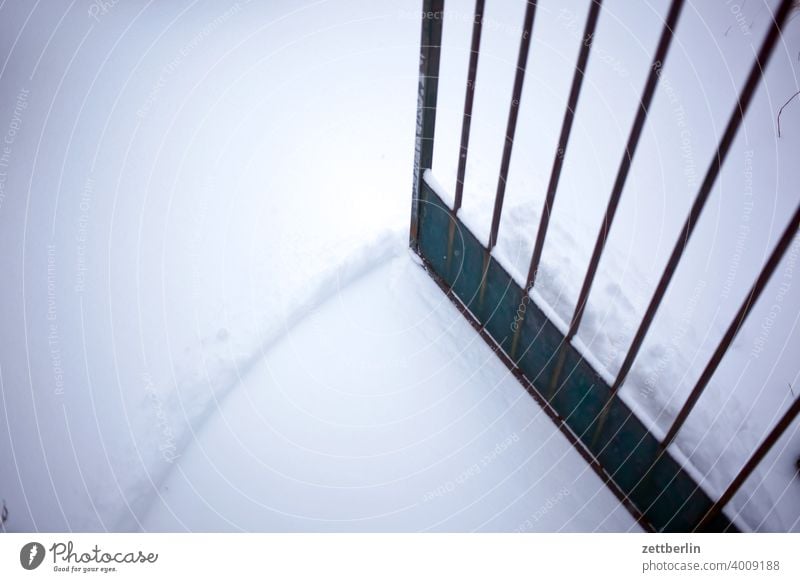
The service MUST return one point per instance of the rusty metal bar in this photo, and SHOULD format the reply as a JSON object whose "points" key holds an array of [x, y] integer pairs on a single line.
{"points": [[477, 26], [563, 140], [429, 57], [627, 159], [516, 94], [723, 148], [751, 464], [733, 329]]}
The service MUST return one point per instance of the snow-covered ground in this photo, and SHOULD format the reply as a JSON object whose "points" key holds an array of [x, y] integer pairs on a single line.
{"points": [[383, 410], [183, 184]]}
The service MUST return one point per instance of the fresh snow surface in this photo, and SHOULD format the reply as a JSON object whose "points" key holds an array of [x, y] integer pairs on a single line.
{"points": [[382, 410], [186, 180]]}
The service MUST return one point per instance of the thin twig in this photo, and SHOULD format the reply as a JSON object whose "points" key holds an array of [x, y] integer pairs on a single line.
{"points": [[781, 111]]}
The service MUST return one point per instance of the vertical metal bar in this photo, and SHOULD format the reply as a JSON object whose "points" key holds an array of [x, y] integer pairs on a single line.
{"points": [[733, 329], [477, 26], [563, 140], [723, 148], [751, 464], [627, 158], [516, 94], [466, 124], [555, 174], [430, 50]]}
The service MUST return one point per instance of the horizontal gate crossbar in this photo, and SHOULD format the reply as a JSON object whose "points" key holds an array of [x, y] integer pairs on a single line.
{"points": [[573, 439]]}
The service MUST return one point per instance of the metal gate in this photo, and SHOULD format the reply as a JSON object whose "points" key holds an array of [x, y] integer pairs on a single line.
{"points": [[634, 464]]}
